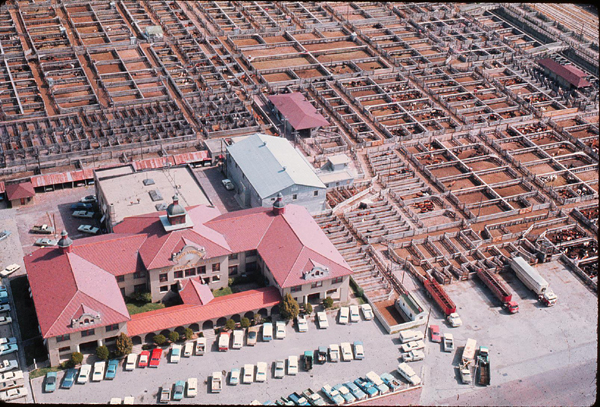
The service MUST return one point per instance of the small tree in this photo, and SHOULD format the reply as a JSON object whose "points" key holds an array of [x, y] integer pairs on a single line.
{"points": [[328, 302], [230, 324], [159, 339], [124, 345], [308, 308], [102, 352], [289, 308], [174, 336], [245, 322], [189, 333], [257, 318], [76, 358]]}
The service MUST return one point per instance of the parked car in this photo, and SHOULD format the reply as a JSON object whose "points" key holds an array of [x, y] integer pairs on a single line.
{"points": [[413, 356], [280, 330], [9, 270], [252, 335], [178, 390], [88, 229], [302, 323], [279, 370], [50, 382], [376, 380], [228, 184], [165, 395], [345, 393], [313, 397], [322, 318], [13, 394], [354, 313], [8, 365], [98, 374], [175, 353], [261, 372], [448, 342], [68, 378], [9, 348], [200, 345], [5, 320], [84, 374], [130, 361], [11, 376], [407, 347], [144, 357], [83, 214], [356, 391], [334, 352], [42, 229], [223, 342], [366, 386], [390, 381], [434, 332], [346, 351], [292, 368], [192, 387], [234, 376], [155, 357], [5, 308], [111, 369], [4, 234], [238, 339], [248, 376], [3, 297], [367, 311], [343, 316], [454, 320], [359, 351], [216, 382], [44, 241], [332, 394], [298, 399], [408, 373], [88, 199], [81, 206], [188, 349]]}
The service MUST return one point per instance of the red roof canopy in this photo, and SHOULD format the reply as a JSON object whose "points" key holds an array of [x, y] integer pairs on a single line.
{"points": [[298, 111], [570, 73], [19, 191]]}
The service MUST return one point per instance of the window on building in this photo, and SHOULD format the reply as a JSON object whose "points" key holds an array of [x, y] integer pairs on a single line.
{"points": [[123, 291], [216, 267], [296, 288], [164, 288], [112, 327], [138, 288], [294, 197], [216, 278], [316, 193], [190, 272], [207, 280], [179, 274], [251, 253], [233, 270], [316, 284], [64, 349], [120, 279], [251, 267], [139, 274], [337, 280], [88, 332], [62, 338], [201, 270], [331, 292], [233, 256]]}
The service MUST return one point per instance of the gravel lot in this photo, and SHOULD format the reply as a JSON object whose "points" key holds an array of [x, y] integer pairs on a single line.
{"points": [[381, 355]]}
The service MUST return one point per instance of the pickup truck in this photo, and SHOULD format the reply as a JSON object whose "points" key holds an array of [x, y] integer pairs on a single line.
{"points": [[465, 373], [313, 397], [322, 355], [216, 382], [165, 395], [308, 360], [413, 356], [42, 229], [200, 346], [376, 380], [333, 395], [390, 381]]}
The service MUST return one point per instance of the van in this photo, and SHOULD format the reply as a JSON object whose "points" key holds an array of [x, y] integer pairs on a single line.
{"points": [[409, 336], [409, 374], [267, 331]]}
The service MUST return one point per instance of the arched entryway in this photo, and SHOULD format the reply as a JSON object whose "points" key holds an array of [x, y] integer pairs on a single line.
{"points": [[221, 321], [195, 327], [180, 330], [165, 333], [236, 317], [249, 315], [136, 340], [207, 325], [263, 312], [149, 338], [275, 310]]}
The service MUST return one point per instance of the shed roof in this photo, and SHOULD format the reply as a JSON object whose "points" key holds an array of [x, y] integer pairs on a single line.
{"points": [[271, 164], [570, 73], [298, 111], [20, 190]]}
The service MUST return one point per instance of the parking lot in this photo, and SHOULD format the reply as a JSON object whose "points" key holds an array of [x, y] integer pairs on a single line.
{"points": [[381, 355]]}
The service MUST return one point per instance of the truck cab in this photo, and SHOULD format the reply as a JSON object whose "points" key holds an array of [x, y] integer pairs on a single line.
{"points": [[512, 307], [548, 298], [465, 374], [454, 320]]}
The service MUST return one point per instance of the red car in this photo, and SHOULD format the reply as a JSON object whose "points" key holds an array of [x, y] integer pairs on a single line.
{"points": [[434, 330], [155, 357], [144, 356]]}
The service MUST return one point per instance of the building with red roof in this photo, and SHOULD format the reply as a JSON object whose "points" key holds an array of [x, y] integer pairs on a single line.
{"points": [[567, 75], [298, 113], [19, 194], [78, 288]]}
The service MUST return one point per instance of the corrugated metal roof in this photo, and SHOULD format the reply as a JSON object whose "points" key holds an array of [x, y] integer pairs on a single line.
{"points": [[62, 178], [570, 73], [298, 111], [272, 164], [191, 157]]}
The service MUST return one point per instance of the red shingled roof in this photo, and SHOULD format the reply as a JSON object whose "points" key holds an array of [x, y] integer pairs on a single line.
{"points": [[298, 111], [570, 73], [116, 254], [194, 291], [180, 315], [21, 190]]}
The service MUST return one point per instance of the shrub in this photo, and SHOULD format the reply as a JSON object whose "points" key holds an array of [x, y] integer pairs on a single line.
{"points": [[257, 318], [328, 302], [308, 308], [174, 336], [102, 352], [67, 364], [245, 322], [201, 335], [124, 345], [141, 296], [230, 281], [76, 358], [230, 324], [289, 308], [159, 339], [188, 333], [147, 346]]}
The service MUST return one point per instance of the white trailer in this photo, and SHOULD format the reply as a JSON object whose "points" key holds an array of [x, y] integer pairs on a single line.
{"points": [[533, 280], [469, 351]]}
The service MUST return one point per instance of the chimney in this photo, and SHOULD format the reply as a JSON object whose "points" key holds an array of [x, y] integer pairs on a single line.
{"points": [[278, 205], [65, 243]]}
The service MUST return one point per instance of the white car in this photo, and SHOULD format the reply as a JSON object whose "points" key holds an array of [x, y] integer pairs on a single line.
{"points": [[448, 342], [346, 351], [9, 270], [354, 315], [84, 373], [13, 394], [228, 184], [192, 387], [334, 352], [280, 330], [248, 376], [413, 356], [367, 311], [5, 320], [175, 353], [292, 365], [238, 339], [88, 229], [454, 320], [98, 374], [83, 214], [407, 347], [188, 349], [322, 318], [261, 372], [343, 317], [302, 323], [16, 375], [88, 199], [130, 361]]}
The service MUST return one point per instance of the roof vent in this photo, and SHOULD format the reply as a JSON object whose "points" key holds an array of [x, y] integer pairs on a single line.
{"points": [[161, 206], [155, 195], [148, 181]]}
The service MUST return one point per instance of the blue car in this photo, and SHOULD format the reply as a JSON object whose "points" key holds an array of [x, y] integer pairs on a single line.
{"points": [[69, 379], [298, 399], [50, 382], [358, 393], [111, 369], [367, 387], [390, 381], [3, 297], [178, 390], [345, 392]]}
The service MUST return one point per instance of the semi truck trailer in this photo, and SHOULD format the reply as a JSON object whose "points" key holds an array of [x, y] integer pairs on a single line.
{"points": [[442, 299], [498, 289], [533, 280]]}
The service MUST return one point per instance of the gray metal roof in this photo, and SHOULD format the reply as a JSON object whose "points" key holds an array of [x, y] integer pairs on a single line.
{"points": [[272, 164]]}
